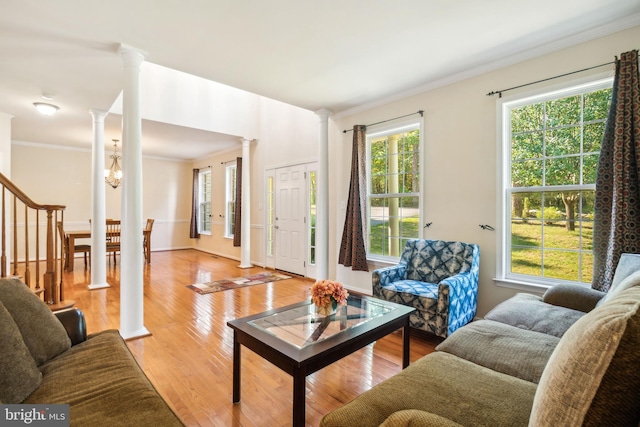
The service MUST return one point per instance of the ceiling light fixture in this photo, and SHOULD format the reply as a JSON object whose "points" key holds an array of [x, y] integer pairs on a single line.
{"points": [[45, 108], [113, 175]]}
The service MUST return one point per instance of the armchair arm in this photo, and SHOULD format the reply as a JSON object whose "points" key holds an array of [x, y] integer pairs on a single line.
{"points": [[457, 301], [575, 297], [386, 275], [74, 322]]}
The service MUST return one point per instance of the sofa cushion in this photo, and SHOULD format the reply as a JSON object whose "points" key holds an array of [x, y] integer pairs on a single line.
{"points": [[592, 378], [444, 385], [528, 311], [486, 342], [104, 386], [20, 375], [416, 418], [41, 331]]}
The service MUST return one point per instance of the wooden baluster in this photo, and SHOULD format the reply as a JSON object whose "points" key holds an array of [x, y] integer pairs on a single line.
{"points": [[27, 271], [15, 236], [50, 286], [61, 286], [3, 258], [37, 249]]}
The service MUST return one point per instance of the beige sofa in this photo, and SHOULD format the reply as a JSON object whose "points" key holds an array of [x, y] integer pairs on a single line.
{"points": [[577, 372], [49, 359]]}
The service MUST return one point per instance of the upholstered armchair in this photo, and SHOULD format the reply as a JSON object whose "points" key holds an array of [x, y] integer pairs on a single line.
{"points": [[438, 278]]}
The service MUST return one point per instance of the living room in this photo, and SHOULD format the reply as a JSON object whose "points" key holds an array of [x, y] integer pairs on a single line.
{"points": [[460, 168]]}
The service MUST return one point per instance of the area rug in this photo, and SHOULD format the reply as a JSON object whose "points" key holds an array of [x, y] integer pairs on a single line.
{"points": [[237, 282]]}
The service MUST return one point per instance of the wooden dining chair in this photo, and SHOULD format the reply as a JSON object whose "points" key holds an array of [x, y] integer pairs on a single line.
{"points": [[113, 237], [147, 240], [85, 249]]}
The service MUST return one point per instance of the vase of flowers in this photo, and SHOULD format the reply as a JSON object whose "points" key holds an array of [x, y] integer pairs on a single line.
{"points": [[327, 295]]}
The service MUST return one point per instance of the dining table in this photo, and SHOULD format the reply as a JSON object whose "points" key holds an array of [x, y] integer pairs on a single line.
{"points": [[72, 235]]}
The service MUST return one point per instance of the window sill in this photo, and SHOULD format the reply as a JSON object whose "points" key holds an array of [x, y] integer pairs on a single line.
{"points": [[381, 263], [519, 285]]}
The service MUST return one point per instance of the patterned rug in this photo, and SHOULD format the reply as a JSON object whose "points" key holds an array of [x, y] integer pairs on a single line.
{"points": [[237, 282]]}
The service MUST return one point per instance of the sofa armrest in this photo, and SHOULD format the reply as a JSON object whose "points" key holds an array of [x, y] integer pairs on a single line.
{"points": [[74, 323], [384, 276], [574, 297]]}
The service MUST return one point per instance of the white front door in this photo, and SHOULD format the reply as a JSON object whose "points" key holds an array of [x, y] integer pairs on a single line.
{"points": [[289, 222]]}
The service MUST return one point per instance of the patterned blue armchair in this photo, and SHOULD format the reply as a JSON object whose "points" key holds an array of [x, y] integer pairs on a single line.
{"points": [[438, 278]]}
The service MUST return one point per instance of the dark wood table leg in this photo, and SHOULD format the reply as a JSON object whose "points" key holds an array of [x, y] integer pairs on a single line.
{"points": [[236, 368], [299, 391], [406, 331]]}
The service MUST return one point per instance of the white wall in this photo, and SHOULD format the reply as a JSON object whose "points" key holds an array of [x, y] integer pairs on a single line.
{"points": [[287, 135], [60, 175], [461, 156]]}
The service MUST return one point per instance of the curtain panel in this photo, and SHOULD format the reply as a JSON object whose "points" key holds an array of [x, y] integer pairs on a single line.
{"points": [[195, 201], [237, 223], [617, 200], [352, 249]]}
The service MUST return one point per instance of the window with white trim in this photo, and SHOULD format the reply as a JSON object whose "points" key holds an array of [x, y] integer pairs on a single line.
{"points": [[312, 184], [230, 201], [204, 206], [551, 145], [393, 190]]}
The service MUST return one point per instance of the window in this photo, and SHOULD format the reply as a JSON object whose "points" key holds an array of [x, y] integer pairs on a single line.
{"points": [[230, 210], [552, 145], [393, 190], [204, 207], [313, 194]]}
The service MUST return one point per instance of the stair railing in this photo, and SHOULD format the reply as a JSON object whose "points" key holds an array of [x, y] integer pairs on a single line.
{"points": [[28, 244]]}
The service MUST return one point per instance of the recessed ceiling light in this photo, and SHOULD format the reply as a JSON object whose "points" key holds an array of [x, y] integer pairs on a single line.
{"points": [[46, 109]]}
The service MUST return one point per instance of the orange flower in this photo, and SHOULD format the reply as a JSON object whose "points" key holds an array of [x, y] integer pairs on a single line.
{"points": [[324, 291]]}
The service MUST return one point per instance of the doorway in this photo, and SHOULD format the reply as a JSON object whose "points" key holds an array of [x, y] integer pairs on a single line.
{"points": [[289, 218]]}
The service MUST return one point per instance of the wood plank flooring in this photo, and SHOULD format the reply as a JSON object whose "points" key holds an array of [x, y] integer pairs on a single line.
{"points": [[188, 357]]}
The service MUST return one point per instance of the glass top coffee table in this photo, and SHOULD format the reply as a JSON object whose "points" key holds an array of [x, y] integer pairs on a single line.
{"points": [[300, 342]]}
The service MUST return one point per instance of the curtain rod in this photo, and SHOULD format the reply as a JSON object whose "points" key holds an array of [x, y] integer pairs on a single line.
{"points": [[421, 112], [228, 161], [499, 92]]}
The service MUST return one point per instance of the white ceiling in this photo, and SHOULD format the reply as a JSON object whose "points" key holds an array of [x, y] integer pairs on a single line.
{"points": [[337, 54]]}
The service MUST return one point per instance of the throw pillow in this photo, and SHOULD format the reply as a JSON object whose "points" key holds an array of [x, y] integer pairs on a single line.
{"points": [[592, 377], [20, 375], [41, 331]]}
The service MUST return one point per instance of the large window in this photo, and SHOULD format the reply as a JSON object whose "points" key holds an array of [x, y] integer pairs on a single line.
{"points": [[394, 190], [551, 145], [204, 207], [230, 204]]}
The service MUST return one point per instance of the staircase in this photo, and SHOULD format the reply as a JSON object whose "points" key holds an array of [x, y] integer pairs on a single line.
{"points": [[30, 247]]}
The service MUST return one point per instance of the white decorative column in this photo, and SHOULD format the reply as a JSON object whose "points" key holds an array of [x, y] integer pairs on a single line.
{"points": [[322, 208], [98, 214], [131, 255], [5, 169], [245, 220]]}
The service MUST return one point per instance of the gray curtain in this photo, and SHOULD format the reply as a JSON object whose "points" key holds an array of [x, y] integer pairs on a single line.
{"points": [[237, 224], [195, 202], [352, 249], [617, 201]]}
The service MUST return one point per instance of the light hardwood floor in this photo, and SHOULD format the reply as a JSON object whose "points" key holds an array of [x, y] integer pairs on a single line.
{"points": [[188, 357]]}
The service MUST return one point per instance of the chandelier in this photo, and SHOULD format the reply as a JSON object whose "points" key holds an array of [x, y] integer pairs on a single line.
{"points": [[113, 175]]}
